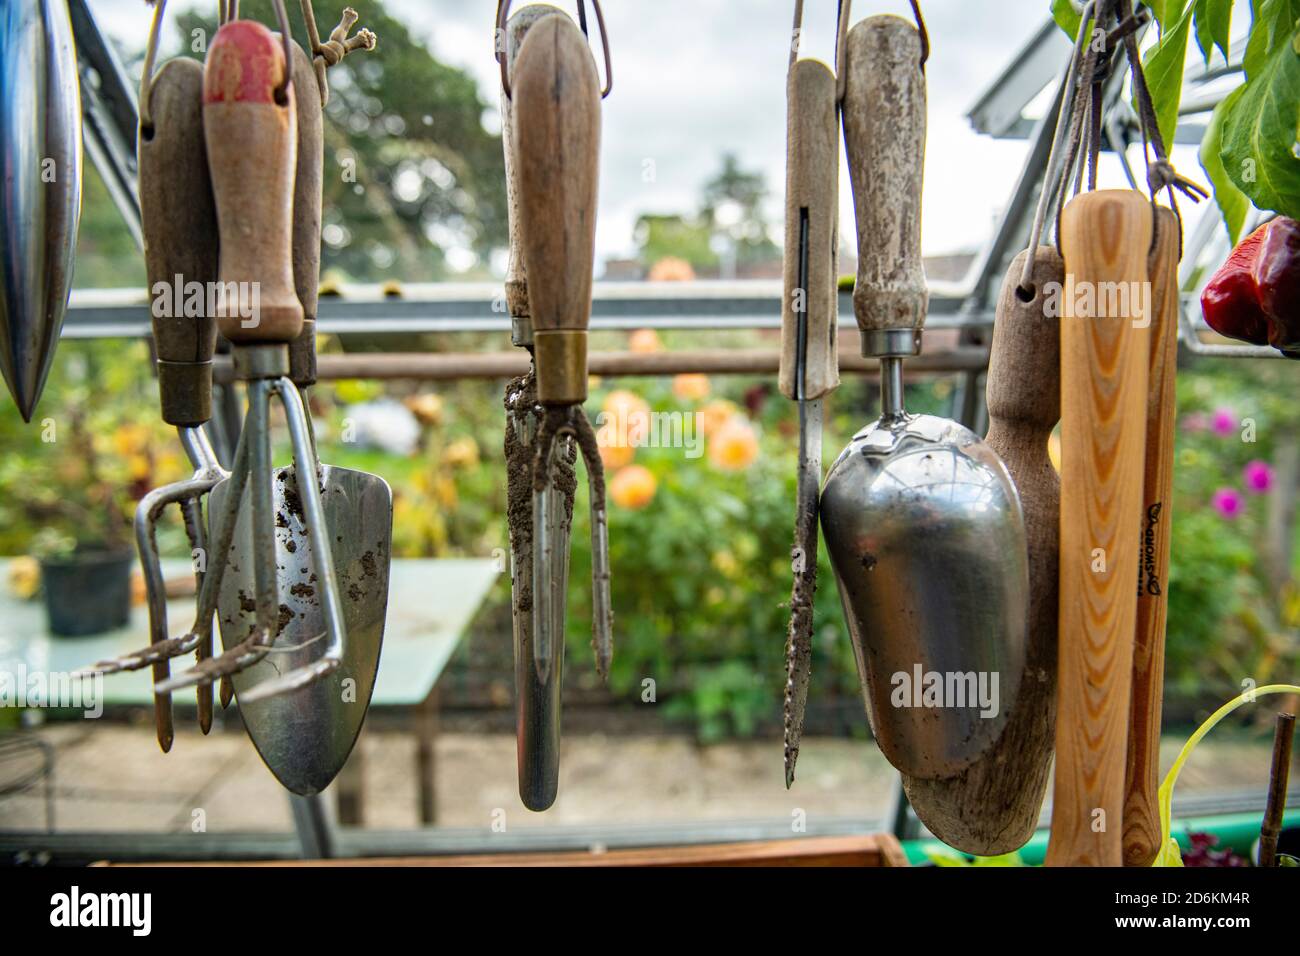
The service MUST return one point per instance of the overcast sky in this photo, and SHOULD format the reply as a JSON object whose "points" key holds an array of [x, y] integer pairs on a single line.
{"points": [[694, 78]]}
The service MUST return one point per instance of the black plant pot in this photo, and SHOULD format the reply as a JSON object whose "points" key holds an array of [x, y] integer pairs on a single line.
{"points": [[87, 593]]}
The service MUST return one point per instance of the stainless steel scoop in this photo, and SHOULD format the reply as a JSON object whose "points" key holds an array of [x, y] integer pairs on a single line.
{"points": [[921, 519]]}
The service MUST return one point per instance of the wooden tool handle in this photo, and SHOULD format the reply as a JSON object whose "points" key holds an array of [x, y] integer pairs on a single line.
{"points": [[812, 215], [556, 145], [179, 224], [252, 147], [884, 132], [516, 277], [308, 174], [1105, 347], [1141, 779]]}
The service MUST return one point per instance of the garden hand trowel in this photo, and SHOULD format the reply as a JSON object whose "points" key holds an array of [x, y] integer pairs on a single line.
{"points": [[306, 734], [922, 522]]}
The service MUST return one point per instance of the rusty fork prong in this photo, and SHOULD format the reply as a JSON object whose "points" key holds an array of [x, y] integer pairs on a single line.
{"points": [[550, 566]]}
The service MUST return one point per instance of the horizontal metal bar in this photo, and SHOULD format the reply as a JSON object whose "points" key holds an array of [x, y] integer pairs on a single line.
{"points": [[480, 307], [451, 366]]}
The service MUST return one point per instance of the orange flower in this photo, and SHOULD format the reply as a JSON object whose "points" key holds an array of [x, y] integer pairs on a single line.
{"points": [[644, 340], [614, 452], [628, 415], [671, 269], [632, 487], [716, 414], [691, 388], [734, 446]]}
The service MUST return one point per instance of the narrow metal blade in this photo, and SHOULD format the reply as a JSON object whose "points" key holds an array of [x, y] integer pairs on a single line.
{"points": [[798, 649]]}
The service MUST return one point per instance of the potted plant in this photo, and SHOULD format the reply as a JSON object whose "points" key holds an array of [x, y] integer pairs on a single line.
{"points": [[72, 483]]}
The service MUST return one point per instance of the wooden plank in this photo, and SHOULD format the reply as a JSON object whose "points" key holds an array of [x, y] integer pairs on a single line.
{"points": [[880, 849]]}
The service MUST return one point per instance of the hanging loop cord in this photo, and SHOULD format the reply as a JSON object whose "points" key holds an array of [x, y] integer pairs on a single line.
{"points": [[499, 43], [841, 40], [1055, 175], [339, 45], [146, 74], [1161, 173]]}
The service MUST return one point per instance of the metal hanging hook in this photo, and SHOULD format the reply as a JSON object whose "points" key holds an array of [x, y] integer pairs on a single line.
{"points": [[499, 44]]}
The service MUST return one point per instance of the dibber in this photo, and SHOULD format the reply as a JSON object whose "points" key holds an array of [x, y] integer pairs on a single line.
{"points": [[1105, 350], [809, 368], [1141, 776]]}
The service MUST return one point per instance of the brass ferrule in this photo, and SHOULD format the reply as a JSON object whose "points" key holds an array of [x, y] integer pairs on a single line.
{"points": [[561, 357]]}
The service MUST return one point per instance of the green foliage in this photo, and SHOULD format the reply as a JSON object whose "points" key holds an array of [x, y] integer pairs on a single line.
{"points": [[1233, 203], [1249, 149], [953, 858], [1259, 134], [410, 171], [1226, 622], [71, 478]]}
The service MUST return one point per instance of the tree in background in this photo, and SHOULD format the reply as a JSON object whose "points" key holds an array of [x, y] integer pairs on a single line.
{"points": [[414, 183], [727, 233]]}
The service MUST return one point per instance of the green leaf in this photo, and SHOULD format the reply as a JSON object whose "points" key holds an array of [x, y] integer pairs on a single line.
{"points": [[1213, 26], [1163, 13], [1066, 17], [1163, 67], [1259, 134], [1271, 25], [1232, 201]]}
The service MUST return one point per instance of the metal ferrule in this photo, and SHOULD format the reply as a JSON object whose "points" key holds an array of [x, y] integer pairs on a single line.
{"points": [[261, 361], [878, 343], [561, 356]]}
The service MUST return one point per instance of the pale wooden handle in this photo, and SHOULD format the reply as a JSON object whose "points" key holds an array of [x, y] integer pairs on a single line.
{"points": [[812, 195], [1141, 782], [307, 184], [178, 222], [884, 133], [1105, 237], [516, 278], [252, 147], [556, 119]]}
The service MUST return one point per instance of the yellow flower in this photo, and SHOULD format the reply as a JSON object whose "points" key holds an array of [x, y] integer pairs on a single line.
{"points": [[691, 388], [734, 446], [24, 577], [715, 414], [462, 453], [632, 487], [129, 439], [426, 407]]}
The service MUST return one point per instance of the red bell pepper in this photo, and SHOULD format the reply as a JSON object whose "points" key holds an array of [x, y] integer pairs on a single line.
{"points": [[1255, 295]]}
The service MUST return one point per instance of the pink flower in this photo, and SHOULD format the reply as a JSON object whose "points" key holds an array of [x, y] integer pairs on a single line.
{"points": [[1258, 476], [1196, 422], [1227, 501], [1224, 422]]}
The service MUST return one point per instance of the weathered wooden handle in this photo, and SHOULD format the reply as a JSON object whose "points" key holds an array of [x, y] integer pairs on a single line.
{"points": [[179, 224], [307, 183], [811, 231], [1141, 779], [252, 147], [884, 133], [556, 120], [516, 278], [992, 807], [1105, 348]]}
